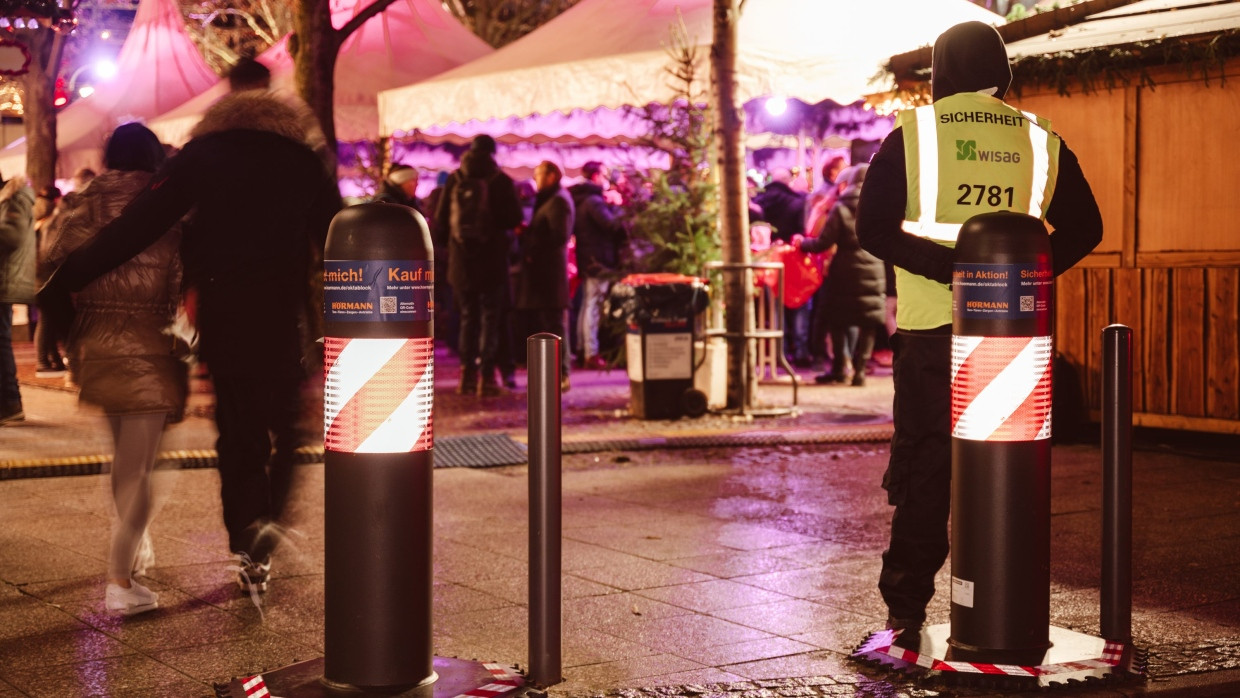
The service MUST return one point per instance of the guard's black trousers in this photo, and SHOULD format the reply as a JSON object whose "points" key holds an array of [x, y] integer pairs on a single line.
{"points": [[918, 478]]}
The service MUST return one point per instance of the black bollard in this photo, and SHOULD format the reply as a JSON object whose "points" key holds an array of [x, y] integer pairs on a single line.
{"points": [[1116, 595], [543, 402], [378, 402], [1001, 450]]}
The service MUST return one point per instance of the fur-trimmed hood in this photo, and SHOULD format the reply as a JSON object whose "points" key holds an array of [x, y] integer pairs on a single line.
{"points": [[261, 110]]}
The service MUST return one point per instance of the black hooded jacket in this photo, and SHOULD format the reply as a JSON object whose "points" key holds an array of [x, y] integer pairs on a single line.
{"points": [[479, 266], [969, 57]]}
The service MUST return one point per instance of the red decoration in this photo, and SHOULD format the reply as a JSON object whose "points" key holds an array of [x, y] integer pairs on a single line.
{"points": [[8, 58]]}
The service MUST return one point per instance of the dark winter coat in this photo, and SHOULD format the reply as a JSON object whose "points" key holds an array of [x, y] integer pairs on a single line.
{"points": [[484, 265], [856, 280], [543, 281], [599, 228], [261, 202], [122, 353], [17, 247], [784, 209]]}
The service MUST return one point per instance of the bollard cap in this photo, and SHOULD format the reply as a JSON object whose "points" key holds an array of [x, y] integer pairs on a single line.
{"points": [[379, 231], [1002, 237]]}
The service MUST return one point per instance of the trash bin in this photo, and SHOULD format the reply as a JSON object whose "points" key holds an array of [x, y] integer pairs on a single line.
{"points": [[663, 314]]}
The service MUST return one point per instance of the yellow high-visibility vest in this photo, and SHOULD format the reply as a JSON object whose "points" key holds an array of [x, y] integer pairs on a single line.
{"points": [[966, 154]]}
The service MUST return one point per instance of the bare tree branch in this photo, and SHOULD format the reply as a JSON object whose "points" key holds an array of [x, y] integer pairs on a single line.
{"points": [[361, 17]]}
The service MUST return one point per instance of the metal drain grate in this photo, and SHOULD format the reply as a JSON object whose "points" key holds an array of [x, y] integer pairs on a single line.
{"points": [[480, 451]]}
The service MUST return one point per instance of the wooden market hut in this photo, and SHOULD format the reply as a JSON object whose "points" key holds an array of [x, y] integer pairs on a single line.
{"points": [[1147, 94]]}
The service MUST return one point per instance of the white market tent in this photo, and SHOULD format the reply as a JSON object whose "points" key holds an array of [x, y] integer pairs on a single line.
{"points": [[611, 53], [409, 41], [158, 68]]}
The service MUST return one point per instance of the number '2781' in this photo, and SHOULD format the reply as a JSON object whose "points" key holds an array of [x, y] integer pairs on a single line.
{"points": [[974, 194]]}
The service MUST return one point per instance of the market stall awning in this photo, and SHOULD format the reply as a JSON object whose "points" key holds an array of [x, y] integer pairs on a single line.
{"points": [[610, 53]]}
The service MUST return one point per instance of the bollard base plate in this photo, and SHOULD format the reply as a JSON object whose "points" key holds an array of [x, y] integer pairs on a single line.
{"points": [[452, 678], [1072, 658]]}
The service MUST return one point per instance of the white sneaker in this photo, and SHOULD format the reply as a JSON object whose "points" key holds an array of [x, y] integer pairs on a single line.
{"points": [[145, 557], [127, 602]]}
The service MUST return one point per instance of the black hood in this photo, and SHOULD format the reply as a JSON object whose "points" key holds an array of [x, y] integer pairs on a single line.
{"points": [[969, 57], [476, 164]]}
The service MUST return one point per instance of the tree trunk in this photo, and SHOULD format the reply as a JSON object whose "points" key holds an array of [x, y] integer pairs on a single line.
{"points": [[315, 44], [733, 209], [39, 84]]}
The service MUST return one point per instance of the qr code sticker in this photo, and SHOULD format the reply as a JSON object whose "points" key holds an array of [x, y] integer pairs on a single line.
{"points": [[387, 305], [1026, 304]]}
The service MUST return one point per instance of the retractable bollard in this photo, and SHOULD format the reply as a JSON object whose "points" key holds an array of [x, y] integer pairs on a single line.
{"points": [[378, 400], [1115, 607], [1000, 634], [546, 509], [1002, 298]]}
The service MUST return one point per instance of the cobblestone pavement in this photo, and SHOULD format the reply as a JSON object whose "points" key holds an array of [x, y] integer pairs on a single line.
{"points": [[708, 571]]}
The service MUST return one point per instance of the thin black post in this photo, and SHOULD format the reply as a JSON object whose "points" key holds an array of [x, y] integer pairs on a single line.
{"points": [[1116, 597], [543, 403]]}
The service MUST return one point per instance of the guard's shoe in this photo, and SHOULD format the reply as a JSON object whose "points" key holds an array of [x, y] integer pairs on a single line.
{"points": [[127, 602], [829, 378], [858, 379], [909, 624], [50, 371], [12, 412], [252, 576]]}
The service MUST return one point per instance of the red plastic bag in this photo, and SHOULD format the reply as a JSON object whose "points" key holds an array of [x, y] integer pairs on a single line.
{"points": [[802, 274]]}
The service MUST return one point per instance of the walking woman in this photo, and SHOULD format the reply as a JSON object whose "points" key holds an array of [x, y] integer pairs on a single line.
{"points": [[123, 355]]}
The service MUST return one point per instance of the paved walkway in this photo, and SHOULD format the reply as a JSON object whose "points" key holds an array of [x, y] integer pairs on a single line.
{"points": [[715, 570]]}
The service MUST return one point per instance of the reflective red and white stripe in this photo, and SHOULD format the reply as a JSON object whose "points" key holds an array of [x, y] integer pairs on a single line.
{"points": [[1111, 656], [255, 687], [378, 395], [506, 681], [1001, 388]]}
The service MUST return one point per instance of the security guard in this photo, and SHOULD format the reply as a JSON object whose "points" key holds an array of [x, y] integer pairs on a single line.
{"points": [[965, 154]]}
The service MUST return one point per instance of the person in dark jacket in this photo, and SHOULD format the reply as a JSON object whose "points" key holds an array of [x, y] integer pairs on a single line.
{"points": [[542, 285], [600, 232], [784, 209], [855, 283], [124, 356], [478, 264], [259, 202], [17, 273], [400, 186], [970, 65]]}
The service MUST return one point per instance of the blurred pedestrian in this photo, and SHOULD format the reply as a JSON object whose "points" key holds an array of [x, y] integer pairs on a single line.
{"points": [[48, 362], [542, 285], [599, 228], [478, 209], [855, 284], [784, 209], [17, 268], [124, 358], [910, 215], [400, 186], [260, 202]]}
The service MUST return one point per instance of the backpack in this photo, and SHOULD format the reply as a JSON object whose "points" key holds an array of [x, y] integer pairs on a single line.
{"points": [[468, 211]]}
